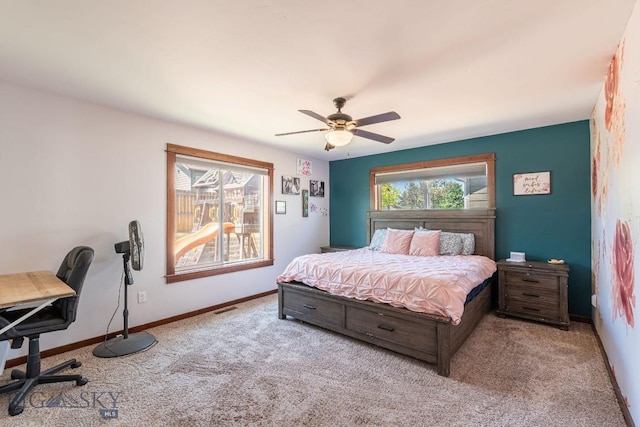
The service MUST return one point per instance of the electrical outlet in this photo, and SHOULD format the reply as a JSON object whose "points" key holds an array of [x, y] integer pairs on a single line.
{"points": [[142, 297]]}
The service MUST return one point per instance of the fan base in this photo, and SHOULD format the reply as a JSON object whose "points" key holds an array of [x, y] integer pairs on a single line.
{"points": [[119, 346]]}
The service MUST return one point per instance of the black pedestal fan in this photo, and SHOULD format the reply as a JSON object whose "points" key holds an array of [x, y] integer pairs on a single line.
{"points": [[131, 250]]}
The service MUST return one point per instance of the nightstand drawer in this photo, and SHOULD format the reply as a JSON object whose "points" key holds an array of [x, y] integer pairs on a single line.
{"points": [[533, 294], [529, 308], [532, 278]]}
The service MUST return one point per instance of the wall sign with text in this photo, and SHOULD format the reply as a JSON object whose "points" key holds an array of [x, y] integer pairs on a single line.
{"points": [[531, 183]]}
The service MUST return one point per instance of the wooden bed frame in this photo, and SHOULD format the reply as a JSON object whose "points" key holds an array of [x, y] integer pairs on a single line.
{"points": [[427, 337]]}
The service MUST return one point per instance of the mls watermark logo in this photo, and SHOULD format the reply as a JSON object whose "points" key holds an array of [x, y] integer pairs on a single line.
{"points": [[109, 413], [106, 402]]}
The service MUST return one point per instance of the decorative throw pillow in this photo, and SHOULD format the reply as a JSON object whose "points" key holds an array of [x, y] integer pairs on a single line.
{"points": [[450, 244], [425, 243], [397, 241], [378, 239], [468, 243]]}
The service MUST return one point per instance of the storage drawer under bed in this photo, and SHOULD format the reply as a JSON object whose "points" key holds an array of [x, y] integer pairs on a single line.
{"points": [[394, 330], [313, 309]]}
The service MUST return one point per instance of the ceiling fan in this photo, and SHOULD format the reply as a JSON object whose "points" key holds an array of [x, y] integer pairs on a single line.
{"points": [[342, 127]]}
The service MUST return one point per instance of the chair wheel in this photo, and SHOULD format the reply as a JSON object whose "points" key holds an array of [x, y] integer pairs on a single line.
{"points": [[75, 365], [82, 381], [17, 374], [15, 410]]}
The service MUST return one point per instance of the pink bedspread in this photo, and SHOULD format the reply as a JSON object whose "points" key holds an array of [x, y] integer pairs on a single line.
{"points": [[436, 285]]}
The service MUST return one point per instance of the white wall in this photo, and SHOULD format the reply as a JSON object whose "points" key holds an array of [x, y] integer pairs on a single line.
{"points": [[75, 173], [615, 210]]}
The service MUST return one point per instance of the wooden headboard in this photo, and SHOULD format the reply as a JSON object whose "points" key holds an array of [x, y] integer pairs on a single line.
{"points": [[480, 222]]}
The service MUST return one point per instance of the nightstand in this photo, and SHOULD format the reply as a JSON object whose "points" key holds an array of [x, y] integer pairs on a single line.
{"points": [[534, 290], [325, 249]]}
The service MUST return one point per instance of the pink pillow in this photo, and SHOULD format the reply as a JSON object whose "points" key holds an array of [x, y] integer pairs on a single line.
{"points": [[425, 243], [397, 241]]}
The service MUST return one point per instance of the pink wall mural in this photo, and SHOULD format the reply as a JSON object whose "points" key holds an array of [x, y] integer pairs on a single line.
{"points": [[624, 300], [615, 213]]}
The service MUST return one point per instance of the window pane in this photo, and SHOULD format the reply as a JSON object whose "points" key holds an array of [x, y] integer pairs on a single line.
{"points": [[460, 183], [447, 193], [451, 171], [221, 219]]}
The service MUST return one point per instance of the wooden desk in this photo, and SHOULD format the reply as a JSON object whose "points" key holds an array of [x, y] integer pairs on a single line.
{"points": [[23, 288]]}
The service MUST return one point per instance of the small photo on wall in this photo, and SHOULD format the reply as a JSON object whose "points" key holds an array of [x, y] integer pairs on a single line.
{"points": [[305, 203], [316, 188], [290, 185]]}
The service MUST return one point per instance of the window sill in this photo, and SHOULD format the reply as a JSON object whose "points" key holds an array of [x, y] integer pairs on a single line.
{"points": [[180, 277]]}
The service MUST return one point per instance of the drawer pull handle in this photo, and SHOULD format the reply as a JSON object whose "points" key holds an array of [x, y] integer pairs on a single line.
{"points": [[524, 279], [309, 306], [531, 295], [386, 328], [531, 309]]}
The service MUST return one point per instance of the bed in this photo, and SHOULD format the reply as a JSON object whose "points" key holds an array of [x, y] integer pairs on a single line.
{"points": [[433, 338]]}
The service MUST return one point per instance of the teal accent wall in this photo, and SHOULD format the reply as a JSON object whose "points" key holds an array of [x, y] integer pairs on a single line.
{"points": [[557, 225]]}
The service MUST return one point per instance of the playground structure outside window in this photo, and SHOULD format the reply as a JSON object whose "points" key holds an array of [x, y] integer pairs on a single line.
{"points": [[219, 217]]}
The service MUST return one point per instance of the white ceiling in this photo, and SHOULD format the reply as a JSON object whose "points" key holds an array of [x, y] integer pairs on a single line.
{"points": [[453, 69]]}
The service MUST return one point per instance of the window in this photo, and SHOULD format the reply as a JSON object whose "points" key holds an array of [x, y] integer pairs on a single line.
{"points": [[218, 213], [455, 183]]}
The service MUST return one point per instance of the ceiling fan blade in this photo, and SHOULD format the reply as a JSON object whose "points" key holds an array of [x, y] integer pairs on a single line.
{"points": [[314, 115], [374, 136], [385, 117], [301, 131]]}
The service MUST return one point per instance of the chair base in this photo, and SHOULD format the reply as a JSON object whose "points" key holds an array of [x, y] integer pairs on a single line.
{"points": [[24, 384]]}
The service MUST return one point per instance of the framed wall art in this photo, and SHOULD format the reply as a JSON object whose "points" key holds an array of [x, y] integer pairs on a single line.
{"points": [[305, 203], [290, 185], [525, 184], [281, 207], [304, 167], [316, 188]]}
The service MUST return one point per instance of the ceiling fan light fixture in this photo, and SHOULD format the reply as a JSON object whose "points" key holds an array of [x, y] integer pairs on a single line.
{"points": [[338, 138], [341, 127]]}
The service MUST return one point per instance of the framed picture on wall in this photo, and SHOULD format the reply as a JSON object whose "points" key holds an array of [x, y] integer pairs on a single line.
{"points": [[303, 167], [316, 188], [525, 184], [305, 203], [290, 185], [281, 207]]}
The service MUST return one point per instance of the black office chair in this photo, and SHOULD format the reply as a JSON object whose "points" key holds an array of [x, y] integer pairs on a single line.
{"points": [[56, 317]]}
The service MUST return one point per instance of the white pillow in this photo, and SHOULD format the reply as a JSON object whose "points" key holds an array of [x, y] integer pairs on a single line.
{"points": [[378, 239], [468, 243]]}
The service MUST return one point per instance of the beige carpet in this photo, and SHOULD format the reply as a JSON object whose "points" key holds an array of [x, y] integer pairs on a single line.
{"points": [[245, 367]]}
